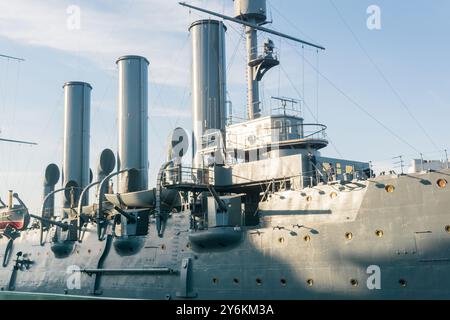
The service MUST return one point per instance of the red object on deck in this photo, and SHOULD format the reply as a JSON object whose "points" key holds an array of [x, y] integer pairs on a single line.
{"points": [[18, 224]]}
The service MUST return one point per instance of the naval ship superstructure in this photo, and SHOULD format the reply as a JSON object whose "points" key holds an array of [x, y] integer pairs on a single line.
{"points": [[258, 214]]}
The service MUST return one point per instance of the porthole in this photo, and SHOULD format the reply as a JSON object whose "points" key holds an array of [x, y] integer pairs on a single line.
{"points": [[390, 188], [188, 245], [281, 240], [333, 195], [215, 280], [402, 282], [354, 282], [258, 281], [89, 251], [379, 233], [308, 198], [163, 247], [349, 236], [447, 228], [283, 282], [307, 238], [442, 183], [310, 282], [236, 280]]}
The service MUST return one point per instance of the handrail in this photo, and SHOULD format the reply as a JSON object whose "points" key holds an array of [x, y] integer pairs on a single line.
{"points": [[44, 202], [276, 133], [307, 174], [80, 206], [100, 201], [188, 175]]}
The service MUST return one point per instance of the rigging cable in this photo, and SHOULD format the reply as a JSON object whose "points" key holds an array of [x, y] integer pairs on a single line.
{"points": [[303, 72], [290, 23], [342, 92], [308, 107], [302, 97], [317, 87], [359, 106], [389, 84], [236, 49]]}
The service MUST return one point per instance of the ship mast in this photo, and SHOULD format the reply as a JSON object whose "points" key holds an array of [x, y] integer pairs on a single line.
{"points": [[11, 140], [253, 103], [252, 14]]}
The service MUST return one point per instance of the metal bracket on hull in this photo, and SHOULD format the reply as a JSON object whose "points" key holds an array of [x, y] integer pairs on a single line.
{"points": [[8, 252], [22, 263], [101, 261], [186, 280], [11, 233], [119, 271]]}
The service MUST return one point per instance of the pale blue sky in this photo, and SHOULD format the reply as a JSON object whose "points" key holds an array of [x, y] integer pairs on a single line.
{"points": [[411, 50]]}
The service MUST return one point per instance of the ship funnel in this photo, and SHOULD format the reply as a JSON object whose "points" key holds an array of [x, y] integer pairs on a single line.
{"points": [[133, 123], [51, 178], [208, 82], [76, 172]]}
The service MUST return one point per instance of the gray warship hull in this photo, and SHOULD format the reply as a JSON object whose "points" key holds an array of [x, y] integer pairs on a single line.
{"points": [[261, 214], [288, 256]]}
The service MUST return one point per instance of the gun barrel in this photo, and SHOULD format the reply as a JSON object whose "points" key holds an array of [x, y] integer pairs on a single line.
{"points": [[63, 225], [130, 217]]}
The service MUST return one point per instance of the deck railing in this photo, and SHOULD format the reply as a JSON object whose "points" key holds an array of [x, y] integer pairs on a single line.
{"points": [[181, 175]]}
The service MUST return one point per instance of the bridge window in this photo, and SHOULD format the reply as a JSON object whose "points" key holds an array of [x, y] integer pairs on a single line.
{"points": [[278, 125], [288, 185], [288, 126], [338, 168]]}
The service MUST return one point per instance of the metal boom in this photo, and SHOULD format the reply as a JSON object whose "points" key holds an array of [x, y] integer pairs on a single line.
{"points": [[9, 140], [10, 57], [252, 25], [18, 141]]}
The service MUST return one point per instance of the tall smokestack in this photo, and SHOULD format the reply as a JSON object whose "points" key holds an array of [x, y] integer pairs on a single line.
{"points": [[133, 123], [77, 108], [208, 81]]}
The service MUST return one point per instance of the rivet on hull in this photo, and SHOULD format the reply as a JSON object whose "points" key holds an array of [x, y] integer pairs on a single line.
{"points": [[379, 233], [354, 282], [402, 282], [442, 183], [390, 188]]}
